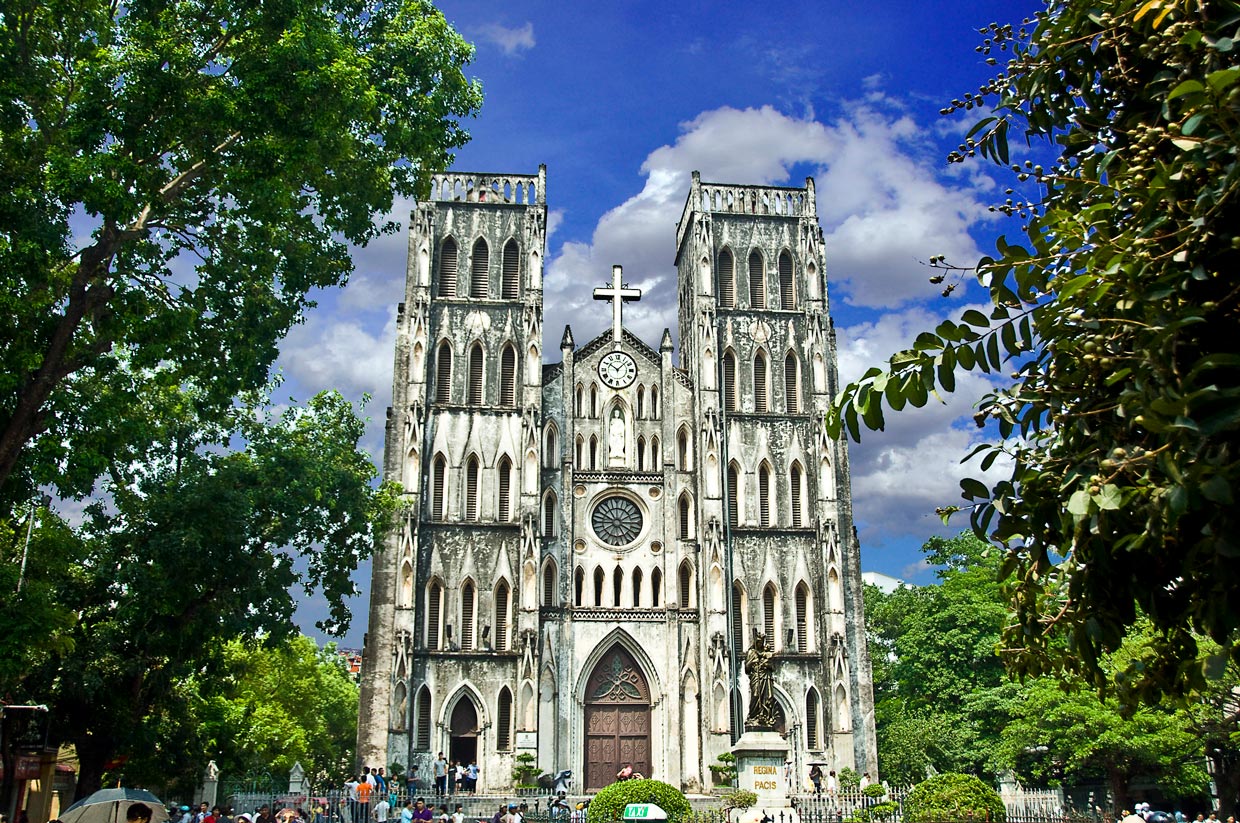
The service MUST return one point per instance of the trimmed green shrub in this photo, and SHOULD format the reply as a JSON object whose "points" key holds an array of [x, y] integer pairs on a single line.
{"points": [[739, 799], [874, 790], [951, 796], [849, 779], [876, 813], [608, 805]]}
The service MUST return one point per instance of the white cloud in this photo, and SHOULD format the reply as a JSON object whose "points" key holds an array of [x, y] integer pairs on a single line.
{"points": [[340, 353], [510, 40]]}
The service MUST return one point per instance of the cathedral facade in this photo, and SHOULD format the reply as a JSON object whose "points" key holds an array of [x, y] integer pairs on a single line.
{"points": [[589, 546]]}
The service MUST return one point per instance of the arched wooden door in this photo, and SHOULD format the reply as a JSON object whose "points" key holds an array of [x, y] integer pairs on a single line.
{"points": [[617, 719], [463, 732]]}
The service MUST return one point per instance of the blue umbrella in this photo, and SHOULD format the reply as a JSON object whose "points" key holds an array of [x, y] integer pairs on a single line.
{"points": [[112, 805]]}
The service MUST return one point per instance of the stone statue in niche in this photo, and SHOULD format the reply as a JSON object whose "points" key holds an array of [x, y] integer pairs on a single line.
{"points": [[615, 438]]}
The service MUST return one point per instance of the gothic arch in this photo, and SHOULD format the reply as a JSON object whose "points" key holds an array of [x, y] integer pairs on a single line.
{"points": [[473, 482], [740, 614], [422, 720], [684, 580], [729, 380], [792, 383], [551, 445], [735, 493], [480, 269], [508, 375], [727, 278], [840, 711], [502, 626], [503, 720], [443, 372], [549, 518], [550, 583], [787, 282], [637, 587], [684, 519], [439, 487], [804, 618], [761, 381], [757, 280], [796, 495], [618, 636], [468, 619], [656, 587], [770, 615], [511, 288], [463, 705], [813, 720], [436, 606], [505, 491], [448, 256], [766, 495], [579, 400], [684, 453], [476, 386]]}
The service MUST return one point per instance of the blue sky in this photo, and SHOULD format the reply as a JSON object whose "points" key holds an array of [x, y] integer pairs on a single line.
{"points": [[622, 101]]}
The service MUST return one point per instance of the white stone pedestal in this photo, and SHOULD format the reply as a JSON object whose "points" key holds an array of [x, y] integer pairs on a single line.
{"points": [[760, 757]]}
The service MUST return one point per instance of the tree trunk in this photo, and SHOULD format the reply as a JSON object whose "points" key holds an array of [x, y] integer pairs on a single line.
{"points": [[1117, 780], [1227, 780], [93, 753]]}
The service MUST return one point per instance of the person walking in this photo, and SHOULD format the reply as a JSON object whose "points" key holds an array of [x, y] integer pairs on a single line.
{"points": [[471, 775], [815, 777], [441, 776]]}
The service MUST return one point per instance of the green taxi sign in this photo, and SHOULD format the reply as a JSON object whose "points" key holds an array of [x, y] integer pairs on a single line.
{"points": [[644, 811]]}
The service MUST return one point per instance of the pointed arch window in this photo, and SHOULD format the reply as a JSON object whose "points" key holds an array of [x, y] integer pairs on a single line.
{"points": [[787, 285], [469, 602], [734, 481], [508, 376], [641, 402], [685, 578], [641, 453], [656, 587], [503, 595], [686, 517], [598, 586], [656, 459], [443, 372], [812, 721], [654, 402], [760, 397], [594, 400], [738, 620], [505, 489], [792, 383], [439, 481], [637, 588], [503, 720], [479, 269], [617, 583], [768, 616], [579, 586], [593, 452], [580, 462], [477, 377], [422, 741], [727, 280], [511, 288], [549, 584], [764, 495], [729, 380], [434, 615], [796, 492], [550, 504], [551, 451], [682, 449], [757, 281], [578, 403], [472, 470], [802, 607], [447, 268]]}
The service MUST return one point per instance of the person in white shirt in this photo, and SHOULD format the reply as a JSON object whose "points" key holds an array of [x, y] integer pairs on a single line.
{"points": [[458, 816], [382, 808]]}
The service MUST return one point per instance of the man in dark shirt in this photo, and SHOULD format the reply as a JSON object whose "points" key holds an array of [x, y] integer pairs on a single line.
{"points": [[422, 813]]}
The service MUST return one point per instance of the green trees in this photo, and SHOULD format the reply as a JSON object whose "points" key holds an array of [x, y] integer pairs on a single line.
{"points": [[203, 547], [608, 804], [220, 156], [950, 796], [1114, 315]]}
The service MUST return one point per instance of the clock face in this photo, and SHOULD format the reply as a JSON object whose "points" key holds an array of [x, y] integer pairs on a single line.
{"points": [[617, 369]]}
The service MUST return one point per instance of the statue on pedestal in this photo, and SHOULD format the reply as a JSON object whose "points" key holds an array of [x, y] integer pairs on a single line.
{"points": [[761, 673]]}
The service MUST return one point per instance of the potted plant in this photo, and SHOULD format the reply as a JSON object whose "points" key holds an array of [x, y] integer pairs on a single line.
{"points": [[724, 771]]}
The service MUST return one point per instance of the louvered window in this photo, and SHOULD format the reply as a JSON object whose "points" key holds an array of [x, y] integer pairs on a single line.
{"points": [[760, 404], [512, 271], [479, 269], [796, 479], [508, 377], [787, 287], [439, 479], [802, 618], [686, 585], [811, 721], [476, 375], [434, 615], [505, 490], [757, 281], [685, 513], [443, 373], [727, 280], [656, 587], [549, 585], [471, 489], [468, 601], [729, 381], [764, 495], [682, 449], [549, 506], [423, 741], [768, 616], [738, 621], [501, 617], [792, 383], [733, 495], [503, 721], [447, 268]]}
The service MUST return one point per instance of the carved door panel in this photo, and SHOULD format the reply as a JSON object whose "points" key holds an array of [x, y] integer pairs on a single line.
{"points": [[617, 719]]}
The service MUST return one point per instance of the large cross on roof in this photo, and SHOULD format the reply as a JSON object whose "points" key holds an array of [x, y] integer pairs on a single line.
{"points": [[618, 294]]}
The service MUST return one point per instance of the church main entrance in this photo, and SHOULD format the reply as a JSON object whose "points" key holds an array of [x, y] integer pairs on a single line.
{"points": [[617, 719], [463, 729]]}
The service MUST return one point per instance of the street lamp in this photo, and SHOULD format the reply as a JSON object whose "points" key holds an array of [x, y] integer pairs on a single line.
{"points": [[46, 500]]}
